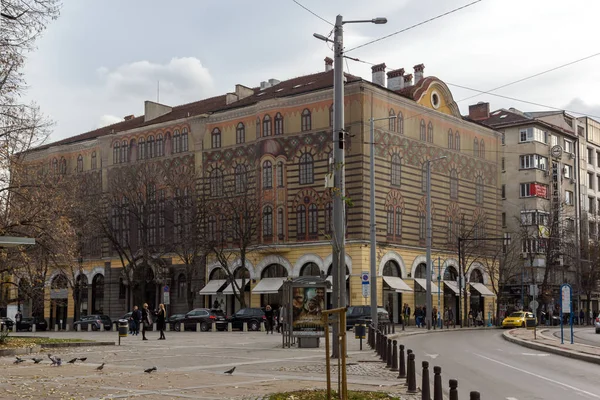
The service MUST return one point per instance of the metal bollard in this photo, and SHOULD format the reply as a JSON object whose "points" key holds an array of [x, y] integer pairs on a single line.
{"points": [[376, 348], [244, 327], [370, 338], [393, 328], [181, 327], [453, 389], [229, 327], [214, 327], [388, 354], [168, 327], [474, 396], [198, 329], [425, 388], [78, 327], [412, 374], [89, 327], [438, 393], [401, 364], [384, 349], [394, 355]]}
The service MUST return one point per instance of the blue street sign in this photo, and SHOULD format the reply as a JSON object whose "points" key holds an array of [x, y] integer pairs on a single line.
{"points": [[365, 278], [166, 289]]}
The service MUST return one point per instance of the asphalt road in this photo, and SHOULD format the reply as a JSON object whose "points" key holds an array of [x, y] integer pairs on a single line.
{"points": [[499, 370], [585, 335]]}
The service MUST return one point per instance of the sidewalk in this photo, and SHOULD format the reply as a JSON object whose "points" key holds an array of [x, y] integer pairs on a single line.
{"points": [[413, 330], [550, 344]]}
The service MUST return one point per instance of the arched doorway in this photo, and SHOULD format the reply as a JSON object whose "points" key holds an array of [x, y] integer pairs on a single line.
{"points": [[330, 279], [477, 302], [420, 293], [392, 299], [98, 294], [451, 291], [81, 287], [272, 294], [59, 301]]}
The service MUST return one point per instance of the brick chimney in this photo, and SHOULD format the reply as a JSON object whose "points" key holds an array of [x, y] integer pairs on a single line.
{"points": [[129, 117], [395, 79], [378, 74], [479, 111], [328, 64], [419, 68], [408, 80]]}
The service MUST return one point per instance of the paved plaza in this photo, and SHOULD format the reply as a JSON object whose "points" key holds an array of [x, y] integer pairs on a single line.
{"points": [[189, 365]]}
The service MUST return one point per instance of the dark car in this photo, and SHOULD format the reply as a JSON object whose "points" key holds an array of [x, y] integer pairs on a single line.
{"points": [[27, 324], [362, 314], [203, 316], [6, 322], [252, 316], [173, 319], [95, 321]]}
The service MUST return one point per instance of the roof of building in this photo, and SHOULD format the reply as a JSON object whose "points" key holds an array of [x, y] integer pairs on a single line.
{"points": [[504, 118]]}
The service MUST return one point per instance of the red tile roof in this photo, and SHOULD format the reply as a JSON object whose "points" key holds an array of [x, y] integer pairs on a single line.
{"points": [[506, 118]]}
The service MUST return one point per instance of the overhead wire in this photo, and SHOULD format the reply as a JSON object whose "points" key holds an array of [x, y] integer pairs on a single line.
{"points": [[313, 13]]}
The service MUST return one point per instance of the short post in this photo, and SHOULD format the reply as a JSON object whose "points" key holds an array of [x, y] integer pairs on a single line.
{"points": [[438, 393], [89, 327], [78, 327], [244, 327], [263, 327], [377, 340], [214, 327], [425, 388], [474, 396], [181, 327], [412, 374], [394, 355], [384, 349], [401, 364], [453, 389], [393, 328], [67, 327], [369, 337], [14, 328], [56, 328], [33, 328], [154, 327], [198, 328], [101, 327], [388, 354], [229, 327], [168, 327]]}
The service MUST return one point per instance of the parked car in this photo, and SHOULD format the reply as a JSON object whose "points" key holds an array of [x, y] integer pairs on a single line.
{"points": [[205, 317], [519, 319], [252, 316], [173, 318], [27, 324], [360, 314], [95, 320], [5, 321], [597, 324]]}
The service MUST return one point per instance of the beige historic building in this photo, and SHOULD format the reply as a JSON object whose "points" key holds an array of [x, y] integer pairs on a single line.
{"points": [[282, 131]]}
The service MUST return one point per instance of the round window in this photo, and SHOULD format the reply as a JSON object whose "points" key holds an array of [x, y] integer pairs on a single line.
{"points": [[435, 99]]}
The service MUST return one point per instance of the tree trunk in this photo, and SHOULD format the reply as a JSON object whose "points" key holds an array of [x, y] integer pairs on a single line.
{"points": [[190, 294]]}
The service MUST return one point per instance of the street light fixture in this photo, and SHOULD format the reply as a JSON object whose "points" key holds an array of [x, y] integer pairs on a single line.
{"points": [[338, 242], [373, 268]]}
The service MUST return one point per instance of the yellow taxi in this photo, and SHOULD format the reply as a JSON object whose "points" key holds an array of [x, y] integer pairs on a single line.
{"points": [[518, 319]]}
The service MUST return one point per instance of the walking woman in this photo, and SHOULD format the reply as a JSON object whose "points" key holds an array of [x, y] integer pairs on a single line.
{"points": [[161, 321], [146, 320]]}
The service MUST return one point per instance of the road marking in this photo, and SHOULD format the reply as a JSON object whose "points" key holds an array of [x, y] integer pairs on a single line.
{"points": [[434, 356], [535, 354], [540, 377], [511, 398], [503, 352]]}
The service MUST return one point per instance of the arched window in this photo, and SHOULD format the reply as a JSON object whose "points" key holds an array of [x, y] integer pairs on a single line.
{"points": [[457, 141], [450, 139], [125, 151], [476, 276], [398, 226], [310, 269], [391, 268], [306, 122], [278, 124], [450, 274], [280, 172], [98, 294], [267, 175], [475, 147], [400, 123], [421, 273], [390, 221], [306, 169], [257, 127], [212, 228], [422, 131], [313, 220], [141, 149], [160, 146], [430, 132], [301, 221], [116, 152], [181, 287], [280, 223], [80, 163], [481, 149], [216, 183], [150, 145], [479, 190], [331, 116], [216, 138], [394, 222], [184, 139], [392, 121], [55, 166], [422, 229], [267, 222], [94, 160], [240, 133], [63, 166], [396, 170], [177, 141], [450, 230], [328, 217], [453, 184], [267, 125], [241, 178], [424, 177]]}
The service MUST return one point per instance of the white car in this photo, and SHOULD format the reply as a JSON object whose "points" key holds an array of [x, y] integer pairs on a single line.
{"points": [[597, 323]]}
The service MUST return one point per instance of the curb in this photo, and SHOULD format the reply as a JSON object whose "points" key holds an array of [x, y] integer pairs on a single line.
{"points": [[552, 349], [75, 344], [425, 331], [20, 351]]}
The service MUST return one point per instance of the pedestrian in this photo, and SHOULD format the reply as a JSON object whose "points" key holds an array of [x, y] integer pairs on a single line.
{"points": [[269, 316], [146, 320], [581, 317], [161, 318], [451, 318], [591, 321], [479, 318], [137, 319], [407, 314], [434, 313], [132, 321], [470, 319], [18, 319], [216, 304]]}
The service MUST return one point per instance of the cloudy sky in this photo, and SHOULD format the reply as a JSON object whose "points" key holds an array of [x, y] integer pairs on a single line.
{"points": [[100, 60]]}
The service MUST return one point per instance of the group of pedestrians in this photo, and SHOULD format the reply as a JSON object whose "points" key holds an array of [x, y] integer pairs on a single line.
{"points": [[144, 318], [272, 319], [475, 318]]}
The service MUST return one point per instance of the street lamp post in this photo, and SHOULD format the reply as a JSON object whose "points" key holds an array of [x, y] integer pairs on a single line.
{"points": [[373, 268], [339, 228]]}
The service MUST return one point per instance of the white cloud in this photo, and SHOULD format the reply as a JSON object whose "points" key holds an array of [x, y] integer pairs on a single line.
{"points": [[579, 106], [108, 120]]}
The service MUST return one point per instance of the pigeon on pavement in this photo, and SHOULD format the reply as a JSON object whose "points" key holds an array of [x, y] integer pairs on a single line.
{"points": [[56, 361], [72, 361], [82, 358], [37, 360], [18, 360], [149, 370], [100, 367], [229, 371]]}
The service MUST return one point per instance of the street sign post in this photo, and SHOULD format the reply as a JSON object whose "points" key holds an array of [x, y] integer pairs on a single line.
{"points": [[166, 296], [566, 302], [365, 284]]}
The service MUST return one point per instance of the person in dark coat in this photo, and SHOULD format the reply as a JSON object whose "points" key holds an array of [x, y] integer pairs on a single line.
{"points": [[161, 318], [137, 320], [269, 315], [146, 320]]}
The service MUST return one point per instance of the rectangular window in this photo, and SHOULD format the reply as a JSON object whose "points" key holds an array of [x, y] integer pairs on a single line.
{"points": [[568, 197], [590, 180], [530, 161], [598, 206], [503, 165], [504, 191], [504, 220], [570, 224], [590, 155], [525, 190], [533, 134], [503, 139], [591, 205], [598, 182], [597, 159], [568, 146], [553, 140], [568, 171], [390, 221]]}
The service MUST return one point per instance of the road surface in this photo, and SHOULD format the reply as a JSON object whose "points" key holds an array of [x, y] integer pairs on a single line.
{"points": [[499, 370]]}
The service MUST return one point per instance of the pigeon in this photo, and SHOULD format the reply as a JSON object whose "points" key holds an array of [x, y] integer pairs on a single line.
{"points": [[56, 361], [37, 360], [149, 370], [18, 360], [72, 361], [100, 367], [82, 358], [230, 371]]}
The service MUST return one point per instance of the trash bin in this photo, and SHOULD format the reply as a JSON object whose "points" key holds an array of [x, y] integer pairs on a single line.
{"points": [[360, 331], [123, 327]]}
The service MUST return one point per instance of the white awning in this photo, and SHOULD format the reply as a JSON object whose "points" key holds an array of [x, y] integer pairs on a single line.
{"points": [[330, 280], [213, 287], [268, 286], [452, 285], [229, 288], [423, 283], [397, 284], [482, 289]]}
